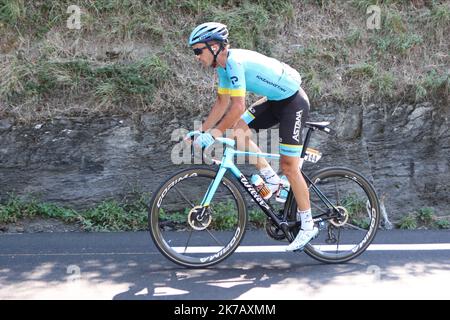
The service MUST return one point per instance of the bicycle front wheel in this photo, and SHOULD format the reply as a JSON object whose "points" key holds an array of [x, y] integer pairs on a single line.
{"points": [[345, 237], [191, 235]]}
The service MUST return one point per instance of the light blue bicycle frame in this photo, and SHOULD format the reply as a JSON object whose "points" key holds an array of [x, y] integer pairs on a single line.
{"points": [[227, 163]]}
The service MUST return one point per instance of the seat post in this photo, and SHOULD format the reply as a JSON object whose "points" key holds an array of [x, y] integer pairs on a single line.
{"points": [[306, 142]]}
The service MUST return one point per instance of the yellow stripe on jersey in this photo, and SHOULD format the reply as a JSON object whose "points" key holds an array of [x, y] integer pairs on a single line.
{"points": [[232, 92], [223, 91]]}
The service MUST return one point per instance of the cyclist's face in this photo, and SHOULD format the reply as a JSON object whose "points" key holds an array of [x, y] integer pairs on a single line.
{"points": [[205, 57]]}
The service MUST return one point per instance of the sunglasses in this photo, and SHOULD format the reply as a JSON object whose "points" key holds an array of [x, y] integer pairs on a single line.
{"points": [[198, 51]]}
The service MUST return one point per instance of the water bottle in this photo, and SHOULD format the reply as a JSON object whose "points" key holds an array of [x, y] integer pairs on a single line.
{"points": [[261, 186], [283, 190]]}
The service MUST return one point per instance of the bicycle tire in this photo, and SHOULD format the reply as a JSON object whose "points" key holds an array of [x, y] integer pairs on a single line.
{"points": [[237, 213], [360, 230]]}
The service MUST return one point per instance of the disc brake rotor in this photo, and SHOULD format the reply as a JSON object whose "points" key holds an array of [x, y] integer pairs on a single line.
{"points": [[199, 218], [340, 221]]}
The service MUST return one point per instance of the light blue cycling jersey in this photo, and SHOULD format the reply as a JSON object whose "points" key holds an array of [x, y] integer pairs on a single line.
{"points": [[251, 71]]}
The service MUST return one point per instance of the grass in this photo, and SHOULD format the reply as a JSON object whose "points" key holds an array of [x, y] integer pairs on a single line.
{"points": [[354, 37], [362, 71], [113, 216], [396, 44], [433, 83], [225, 217], [253, 23], [424, 218], [383, 84], [44, 63], [131, 215], [357, 211], [408, 222], [15, 209], [440, 16], [107, 216], [116, 216], [110, 84], [11, 11]]}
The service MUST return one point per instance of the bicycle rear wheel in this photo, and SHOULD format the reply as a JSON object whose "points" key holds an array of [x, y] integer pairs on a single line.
{"points": [[188, 234], [346, 237]]}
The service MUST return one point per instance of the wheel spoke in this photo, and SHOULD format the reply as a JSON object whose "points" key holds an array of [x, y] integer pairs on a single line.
{"points": [[315, 206], [215, 239], [184, 197], [187, 243]]}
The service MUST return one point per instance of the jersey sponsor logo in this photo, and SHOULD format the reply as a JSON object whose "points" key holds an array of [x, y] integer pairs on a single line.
{"points": [[298, 121], [271, 83]]}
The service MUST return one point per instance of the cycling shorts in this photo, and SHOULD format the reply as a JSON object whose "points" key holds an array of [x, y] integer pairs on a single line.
{"points": [[291, 113]]}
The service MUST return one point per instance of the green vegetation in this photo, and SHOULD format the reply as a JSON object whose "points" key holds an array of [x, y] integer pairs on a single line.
{"points": [[132, 215], [107, 85], [15, 209], [433, 83], [224, 215], [130, 56], [408, 222], [356, 208], [424, 218], [11, 11], [443, 224], [253, 23], [440, 16], [113, 216], [107, 216], [257, 218], [117, 216]]}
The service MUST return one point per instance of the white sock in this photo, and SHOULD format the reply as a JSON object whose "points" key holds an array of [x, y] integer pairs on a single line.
{"points": [[306, 218], [270, 176]]}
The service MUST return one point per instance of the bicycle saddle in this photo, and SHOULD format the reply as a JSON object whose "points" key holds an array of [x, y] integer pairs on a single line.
{"points": [[322, 126]]}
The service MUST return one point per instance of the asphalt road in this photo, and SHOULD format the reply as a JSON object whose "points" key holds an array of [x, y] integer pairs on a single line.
{"points": [[128, 266]]}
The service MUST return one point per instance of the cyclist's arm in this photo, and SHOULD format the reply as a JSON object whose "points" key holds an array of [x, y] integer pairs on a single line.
{"points": [[232, 83], [233, 115], [217, 111]]}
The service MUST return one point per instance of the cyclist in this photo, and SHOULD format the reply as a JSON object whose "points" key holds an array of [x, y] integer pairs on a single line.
{"points": [[285, 103]]}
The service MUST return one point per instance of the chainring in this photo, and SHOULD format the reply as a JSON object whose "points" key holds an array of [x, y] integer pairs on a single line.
{"points": [[273, 231]]}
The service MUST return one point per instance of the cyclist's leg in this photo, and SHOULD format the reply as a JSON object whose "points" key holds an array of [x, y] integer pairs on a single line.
{"points": [[293, 114], [290, 168], [258, 116]]}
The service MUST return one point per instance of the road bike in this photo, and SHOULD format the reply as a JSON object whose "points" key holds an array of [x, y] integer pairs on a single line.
{"points": [[199, 215]]}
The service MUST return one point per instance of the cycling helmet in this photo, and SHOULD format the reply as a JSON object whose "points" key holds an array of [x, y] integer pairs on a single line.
{"points": [[209, 31]]}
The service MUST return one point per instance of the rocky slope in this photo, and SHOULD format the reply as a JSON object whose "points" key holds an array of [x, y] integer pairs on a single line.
{"points": [[404, 150]]}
